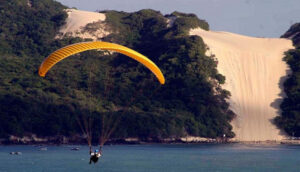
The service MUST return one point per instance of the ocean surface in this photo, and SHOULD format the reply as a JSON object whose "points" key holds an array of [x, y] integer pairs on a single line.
{"points": [[154, 157]]}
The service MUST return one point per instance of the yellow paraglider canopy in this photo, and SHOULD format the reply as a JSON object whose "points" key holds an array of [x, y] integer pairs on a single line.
{"points": [[69, 50]]}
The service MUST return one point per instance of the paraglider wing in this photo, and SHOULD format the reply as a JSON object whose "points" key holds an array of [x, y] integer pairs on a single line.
{"points": [[67, 51]]}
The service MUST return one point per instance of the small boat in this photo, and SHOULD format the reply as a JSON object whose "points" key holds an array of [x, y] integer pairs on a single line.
{"points": [[43, 149], [75, 149], [15, 153]]}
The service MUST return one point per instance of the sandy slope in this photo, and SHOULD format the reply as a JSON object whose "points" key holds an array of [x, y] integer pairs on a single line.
{"points": [[77, 21], [254, 73]]}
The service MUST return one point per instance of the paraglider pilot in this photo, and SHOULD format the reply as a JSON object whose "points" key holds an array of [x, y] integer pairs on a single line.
{"points": [[95, 155]]}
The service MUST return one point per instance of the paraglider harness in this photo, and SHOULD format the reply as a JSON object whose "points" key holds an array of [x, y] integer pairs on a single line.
{"points": [[95, 155]]}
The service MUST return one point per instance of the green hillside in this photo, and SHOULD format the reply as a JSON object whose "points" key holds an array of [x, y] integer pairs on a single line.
{"points": [[97, 83]]}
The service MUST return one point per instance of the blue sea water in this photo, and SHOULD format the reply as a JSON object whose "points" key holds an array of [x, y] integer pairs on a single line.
{"points": [[154, 158]]}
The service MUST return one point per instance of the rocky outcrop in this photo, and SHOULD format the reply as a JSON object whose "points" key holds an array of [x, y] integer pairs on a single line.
{"points": [[78, 139], [33, 139]]}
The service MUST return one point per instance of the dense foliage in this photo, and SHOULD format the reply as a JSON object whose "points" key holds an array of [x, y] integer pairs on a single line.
{"points": [[28, 28], [290, 117], [97, 83]]}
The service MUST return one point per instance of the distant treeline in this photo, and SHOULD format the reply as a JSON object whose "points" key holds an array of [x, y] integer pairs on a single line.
{"points": [[289, 120], [97, 83]]}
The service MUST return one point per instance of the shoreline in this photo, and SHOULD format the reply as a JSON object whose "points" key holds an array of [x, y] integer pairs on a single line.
{"points": [[79, 140]]}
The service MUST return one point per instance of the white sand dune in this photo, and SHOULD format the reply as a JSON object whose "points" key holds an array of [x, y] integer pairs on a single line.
{"points": [[255, 73], [78, 20]]}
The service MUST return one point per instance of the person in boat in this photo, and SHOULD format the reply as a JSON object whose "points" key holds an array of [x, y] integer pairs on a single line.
{"points": [[95, 155]]}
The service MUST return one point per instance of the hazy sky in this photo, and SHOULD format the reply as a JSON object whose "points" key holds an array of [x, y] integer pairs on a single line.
{"points": [[261, 18]]}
